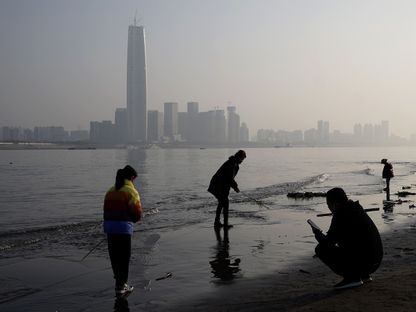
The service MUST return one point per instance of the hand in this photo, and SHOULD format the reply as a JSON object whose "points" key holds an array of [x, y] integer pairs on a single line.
{"points": [[320, 237], [237, 190]]}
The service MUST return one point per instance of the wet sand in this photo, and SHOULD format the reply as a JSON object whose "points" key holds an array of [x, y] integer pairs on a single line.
{"points": [[259, 269], [307, 285]]}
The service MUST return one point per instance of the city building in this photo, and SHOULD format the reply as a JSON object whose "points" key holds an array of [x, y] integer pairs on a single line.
{"points": [[244, 133], [154, 125], [191, 133], [136, 84], [120, 120], [233, 127], [170, 120]]}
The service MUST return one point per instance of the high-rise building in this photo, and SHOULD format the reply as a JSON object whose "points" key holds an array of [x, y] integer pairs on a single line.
{"points": [[384, 130], [154, 125], [192, 131], [323, 132], [244, 133], [220, 126], [136, 84], [171, 119], [233, 129], [120, 119]]}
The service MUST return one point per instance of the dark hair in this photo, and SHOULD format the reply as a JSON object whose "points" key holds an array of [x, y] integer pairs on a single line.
{"points": [[336, 194], [240, 154], [128, 172]]}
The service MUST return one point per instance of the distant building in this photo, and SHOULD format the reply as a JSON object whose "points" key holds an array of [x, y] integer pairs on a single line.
{"points": [[192, 131], [183, 125], [385, 131], [154, 125], [50, 134], [220, 133], [244, 133], [368, 133], [170, 120], [120, 119], [233, 127], [11, 134], [322, 132], [79, 135], [206, 121], [136, 84], [102, 132], [310, 136]]}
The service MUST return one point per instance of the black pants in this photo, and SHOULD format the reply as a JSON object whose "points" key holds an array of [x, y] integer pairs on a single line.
{"points": [[345, 264], [222, 206], [119, 248]]}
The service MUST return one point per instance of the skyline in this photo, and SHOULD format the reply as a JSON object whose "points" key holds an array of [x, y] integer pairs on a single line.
{"points": [[320, 135], [294, 61]]}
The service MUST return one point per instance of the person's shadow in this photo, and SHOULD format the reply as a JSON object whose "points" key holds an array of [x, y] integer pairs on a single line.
{"points": [[121, 305], [222, 266]]}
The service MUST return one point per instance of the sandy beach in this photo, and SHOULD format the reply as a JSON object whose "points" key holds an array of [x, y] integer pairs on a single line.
{"points": [[300, 284], [307, 285]]}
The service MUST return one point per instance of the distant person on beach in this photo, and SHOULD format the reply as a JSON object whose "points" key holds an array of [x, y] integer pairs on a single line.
{"points": [[387, 174], [221, 183], [122, 208], [352, 247]]}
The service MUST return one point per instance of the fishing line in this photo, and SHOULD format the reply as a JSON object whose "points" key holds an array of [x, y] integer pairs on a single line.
{"points": [[258, 202]]}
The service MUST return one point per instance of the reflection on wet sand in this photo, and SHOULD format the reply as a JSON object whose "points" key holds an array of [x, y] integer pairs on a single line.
{"points": [[223, 266], [121, 305]]}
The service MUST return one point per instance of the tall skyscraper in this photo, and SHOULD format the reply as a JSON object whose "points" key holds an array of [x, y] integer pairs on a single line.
{"points": [[136, 84]]}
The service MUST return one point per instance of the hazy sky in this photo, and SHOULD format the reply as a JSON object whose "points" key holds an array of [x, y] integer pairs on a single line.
{"points": [[283, 63]]}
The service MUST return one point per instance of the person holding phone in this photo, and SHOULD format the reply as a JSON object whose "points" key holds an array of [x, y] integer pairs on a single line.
{"points": [[352, 247]]}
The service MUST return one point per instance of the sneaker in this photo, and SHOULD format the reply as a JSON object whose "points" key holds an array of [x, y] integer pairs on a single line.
{"points": [[124, 290], [348, 283], [366, 279]]}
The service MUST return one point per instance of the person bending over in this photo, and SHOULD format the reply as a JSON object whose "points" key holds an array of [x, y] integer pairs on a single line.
{"points": [[352, 247], [221, 183]]}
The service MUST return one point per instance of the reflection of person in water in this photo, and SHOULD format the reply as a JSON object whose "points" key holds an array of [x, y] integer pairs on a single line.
{"points": [[222, 266], [121, 305]]}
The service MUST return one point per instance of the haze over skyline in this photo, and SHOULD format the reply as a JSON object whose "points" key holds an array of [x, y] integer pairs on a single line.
{"points": [[284, 64]]}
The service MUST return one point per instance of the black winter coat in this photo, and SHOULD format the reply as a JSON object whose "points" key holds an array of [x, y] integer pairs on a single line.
{"points": [[354, 232], [388, 171], [223, 179]]}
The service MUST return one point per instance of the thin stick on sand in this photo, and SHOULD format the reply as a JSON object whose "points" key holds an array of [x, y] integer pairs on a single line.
{"points": [[330, 214]]}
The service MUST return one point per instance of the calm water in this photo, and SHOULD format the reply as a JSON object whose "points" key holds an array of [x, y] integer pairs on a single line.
{"points": [[51, 190]]}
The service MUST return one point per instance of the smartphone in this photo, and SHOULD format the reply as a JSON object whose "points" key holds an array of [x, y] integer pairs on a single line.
{"points": [[313, 225]]}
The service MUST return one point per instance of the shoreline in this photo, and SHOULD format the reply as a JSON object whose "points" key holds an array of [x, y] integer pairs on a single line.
{"points": [[304, 284], [18, 146]]}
